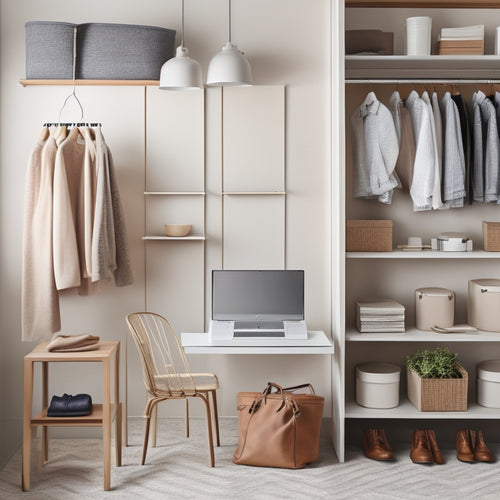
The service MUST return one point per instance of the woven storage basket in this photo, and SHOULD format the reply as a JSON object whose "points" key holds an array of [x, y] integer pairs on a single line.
{"points": [[49, 50], [491, 236], [369, 236], [122, 51], [438, 394]]}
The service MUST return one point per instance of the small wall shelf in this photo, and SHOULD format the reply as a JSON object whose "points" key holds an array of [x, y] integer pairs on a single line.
{"points": [[177, 238], [407, 410], [175, 193], [137, 83], [253, 193], [414, 335], [425, 254]]}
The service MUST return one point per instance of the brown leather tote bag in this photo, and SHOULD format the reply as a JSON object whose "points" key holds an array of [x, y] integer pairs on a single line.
{"points": [[278, 429]]}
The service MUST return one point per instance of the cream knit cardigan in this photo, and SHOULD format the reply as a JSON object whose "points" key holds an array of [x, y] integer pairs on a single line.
{"points": [[40, 301]]}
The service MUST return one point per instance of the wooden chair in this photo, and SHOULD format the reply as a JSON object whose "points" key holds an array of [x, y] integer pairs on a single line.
{"points": [[167, 375]]}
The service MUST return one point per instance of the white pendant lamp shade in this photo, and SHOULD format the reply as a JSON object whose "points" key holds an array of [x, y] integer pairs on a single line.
{"points": [[181, 72], [229, 68]]}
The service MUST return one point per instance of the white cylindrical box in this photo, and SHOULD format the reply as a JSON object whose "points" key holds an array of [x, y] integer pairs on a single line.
{"points": [[418, 36], [377, 385], [483, 306], [434, 307], [488, 383]]}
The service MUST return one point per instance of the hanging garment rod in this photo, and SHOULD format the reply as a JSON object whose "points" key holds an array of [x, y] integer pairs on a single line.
{"points": [[430, 81], [57, 124]]}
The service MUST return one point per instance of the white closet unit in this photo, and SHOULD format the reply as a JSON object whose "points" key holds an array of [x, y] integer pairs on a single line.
{"points": [[397, 274]]}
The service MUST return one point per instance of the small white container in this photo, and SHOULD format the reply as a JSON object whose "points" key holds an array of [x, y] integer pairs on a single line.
{"points": [[483, 306], [434, 307], [488, 383], [377, 385]]}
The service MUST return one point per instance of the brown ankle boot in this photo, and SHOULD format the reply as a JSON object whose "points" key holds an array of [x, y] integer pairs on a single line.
{"points": [[464, 441], [436, 452], [481, 451], [376, 446], [420, 452]]}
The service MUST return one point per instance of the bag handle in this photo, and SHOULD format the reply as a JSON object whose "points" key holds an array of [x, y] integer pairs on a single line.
{"points": [[269, 388], [295, 387]]}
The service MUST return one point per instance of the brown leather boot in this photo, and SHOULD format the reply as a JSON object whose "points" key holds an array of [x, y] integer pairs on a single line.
{"points": [[420, 452], [376, 446], [481, 451], [464, 441], [436, 452]]}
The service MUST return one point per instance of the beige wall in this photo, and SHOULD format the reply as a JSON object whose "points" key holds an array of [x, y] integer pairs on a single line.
{"points": [[287, 42]]}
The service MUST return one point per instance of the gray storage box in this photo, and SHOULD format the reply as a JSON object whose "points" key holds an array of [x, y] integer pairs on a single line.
{"points": [[49, 50], [122, 51]]}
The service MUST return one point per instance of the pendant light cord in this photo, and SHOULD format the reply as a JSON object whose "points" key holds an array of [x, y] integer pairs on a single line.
{"points": [[229, 24], [182, 26]]}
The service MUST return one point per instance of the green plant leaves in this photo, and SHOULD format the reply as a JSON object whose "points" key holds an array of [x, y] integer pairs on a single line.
{"points": [[439, 363]]}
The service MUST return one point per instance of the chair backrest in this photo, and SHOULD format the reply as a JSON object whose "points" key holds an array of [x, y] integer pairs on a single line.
{"points": [[164, 364]]}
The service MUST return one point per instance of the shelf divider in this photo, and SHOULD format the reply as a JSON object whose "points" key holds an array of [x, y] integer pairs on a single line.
{"points": [[406, 410]]}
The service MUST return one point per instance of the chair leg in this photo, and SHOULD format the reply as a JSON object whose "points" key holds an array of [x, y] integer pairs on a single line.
{"points": [[187, 417], [215, 417], [209, 428], [154, 425], [150, 406]]}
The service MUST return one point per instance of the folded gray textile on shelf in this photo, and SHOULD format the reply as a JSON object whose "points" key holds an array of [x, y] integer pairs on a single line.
{"points": [[69, 343]]}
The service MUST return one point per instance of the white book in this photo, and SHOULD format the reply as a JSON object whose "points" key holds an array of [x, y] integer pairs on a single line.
{"points": [[463, 33]]}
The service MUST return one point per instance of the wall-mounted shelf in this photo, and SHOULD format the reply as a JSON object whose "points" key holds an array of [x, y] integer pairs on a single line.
{"points": [[175, 193], [177, 238], [137, 83], [252, 193], [407, 410], [414, 335], [404, 67], [425, 254], [428, 4]]}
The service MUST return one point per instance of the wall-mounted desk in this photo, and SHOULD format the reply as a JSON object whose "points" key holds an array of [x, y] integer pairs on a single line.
{"points": [[199, 343]]}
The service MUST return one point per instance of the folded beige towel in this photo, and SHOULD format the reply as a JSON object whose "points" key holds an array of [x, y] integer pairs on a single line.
{"points": [[69, 343]]}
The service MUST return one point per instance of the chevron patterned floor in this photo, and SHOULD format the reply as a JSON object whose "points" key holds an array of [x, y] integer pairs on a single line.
{"points": [[177, 469]]}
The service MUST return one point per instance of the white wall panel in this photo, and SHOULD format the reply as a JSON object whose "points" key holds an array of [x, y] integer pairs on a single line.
{"points": [[254, 232], [175, 140], [254, 138]]}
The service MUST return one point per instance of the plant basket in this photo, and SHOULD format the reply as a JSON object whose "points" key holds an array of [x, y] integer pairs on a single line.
{"points": [[438, 394]]}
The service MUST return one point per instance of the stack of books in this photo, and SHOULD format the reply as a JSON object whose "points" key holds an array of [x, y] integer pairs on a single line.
{"points": [[380, 315], [468, 40]]}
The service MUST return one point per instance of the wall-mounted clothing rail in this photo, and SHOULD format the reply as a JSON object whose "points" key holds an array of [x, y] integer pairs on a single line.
{"points": [[65, 124], [430, 81]]}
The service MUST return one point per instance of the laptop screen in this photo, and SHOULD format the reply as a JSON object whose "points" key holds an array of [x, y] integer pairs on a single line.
{"points": [[264, 295]]}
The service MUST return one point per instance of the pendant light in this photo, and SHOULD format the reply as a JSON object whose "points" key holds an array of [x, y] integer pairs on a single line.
{"points": [[229, 67], [181, 72]]}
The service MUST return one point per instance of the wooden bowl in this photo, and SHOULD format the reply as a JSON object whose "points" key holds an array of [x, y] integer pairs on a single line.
{"points": [[177, 229]]}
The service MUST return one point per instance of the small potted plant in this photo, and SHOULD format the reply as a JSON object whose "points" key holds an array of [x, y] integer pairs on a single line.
{"points": [[436, 381]]}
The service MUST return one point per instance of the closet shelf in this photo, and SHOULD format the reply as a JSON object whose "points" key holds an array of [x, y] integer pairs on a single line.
{"points": [[428, 4], [463, 67], [177, 238], [414, 335], [425, 254], [406, 410], [138, 83]]}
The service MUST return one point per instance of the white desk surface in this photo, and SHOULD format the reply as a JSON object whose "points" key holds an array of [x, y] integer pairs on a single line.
{"points": [[199, 343]]}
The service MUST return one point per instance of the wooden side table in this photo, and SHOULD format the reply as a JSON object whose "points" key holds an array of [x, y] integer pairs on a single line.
{"points": [[102, 415]]}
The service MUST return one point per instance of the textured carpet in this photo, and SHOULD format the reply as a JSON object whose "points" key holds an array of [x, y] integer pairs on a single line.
{"points": [[177, 469]]}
